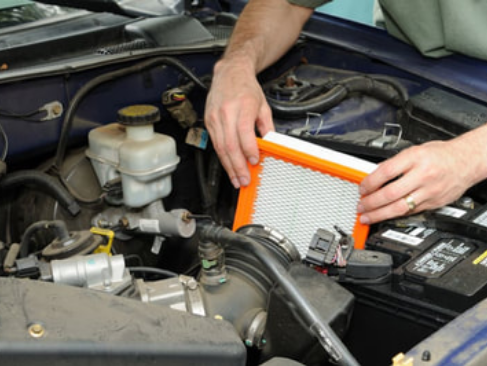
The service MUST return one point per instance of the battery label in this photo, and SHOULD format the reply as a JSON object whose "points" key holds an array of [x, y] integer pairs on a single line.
{"points": [[413, 236], [481, 219], [439, 259], [451, 211]]}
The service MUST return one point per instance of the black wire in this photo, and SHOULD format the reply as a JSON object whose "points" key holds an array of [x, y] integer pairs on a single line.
{"points": [[6, 113], [199, 217], [193, 270], [23, 116], [110, 76], [5, 141], [128, 257], [163, 272]]}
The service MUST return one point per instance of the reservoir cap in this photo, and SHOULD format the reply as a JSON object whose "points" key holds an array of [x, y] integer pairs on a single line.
{"points": [[139, 115]]}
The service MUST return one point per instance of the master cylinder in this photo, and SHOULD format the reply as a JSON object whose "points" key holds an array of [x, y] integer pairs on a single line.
{"points": [[132, 151]]}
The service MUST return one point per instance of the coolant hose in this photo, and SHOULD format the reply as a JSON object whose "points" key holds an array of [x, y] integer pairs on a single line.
{"points": [[326, 336], [59, 227], [379, 87], [44, 181], [319, 104]]}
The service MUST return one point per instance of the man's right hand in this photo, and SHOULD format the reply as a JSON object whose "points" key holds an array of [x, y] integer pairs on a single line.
{"points": [[236, 103], [235, 106]]}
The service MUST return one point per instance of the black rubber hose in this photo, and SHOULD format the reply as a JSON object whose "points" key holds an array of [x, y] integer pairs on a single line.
{"points": [[163, 272], [44, 181], [319, 104], [327, 337], [370, 86], [401, 89], [99, 80], [61, 232], [202, 181], [380, 87]]}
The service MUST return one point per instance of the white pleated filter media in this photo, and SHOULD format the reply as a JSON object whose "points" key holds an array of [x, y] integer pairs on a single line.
{"points": [[297, 201]]}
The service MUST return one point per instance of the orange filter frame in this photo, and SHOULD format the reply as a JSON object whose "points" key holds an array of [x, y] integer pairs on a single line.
{"points": [[248, 195]]}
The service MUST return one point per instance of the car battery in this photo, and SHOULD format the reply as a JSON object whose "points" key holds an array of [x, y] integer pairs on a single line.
{"points": [[439, 260]]}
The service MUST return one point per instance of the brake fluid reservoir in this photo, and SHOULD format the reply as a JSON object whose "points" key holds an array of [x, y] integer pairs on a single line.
{"points": [[132, 150]]}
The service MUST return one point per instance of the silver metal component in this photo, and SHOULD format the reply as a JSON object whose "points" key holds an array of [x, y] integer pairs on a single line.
{"points": [[155, 220], [312, 114], [194, 300], [284, 243], [152, 219], [13, 253], [466, 203], [53, 110], [307, 126], [97, 271], [391, 136], [181, 293], [168, 292], [255, 331]]}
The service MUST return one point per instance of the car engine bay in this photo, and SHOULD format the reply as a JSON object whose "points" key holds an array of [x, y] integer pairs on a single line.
{"points": [[116, 239]]}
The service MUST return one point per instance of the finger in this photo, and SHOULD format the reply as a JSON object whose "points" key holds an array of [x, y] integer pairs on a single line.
{"points": [[391, 192], [232, 149], [218, 142], [246, 135], [227, 165], [398, 208], [264, 121], [387, 171]]}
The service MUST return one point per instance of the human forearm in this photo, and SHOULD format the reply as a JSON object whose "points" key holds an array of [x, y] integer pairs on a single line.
{"points": [[265, 31], [236, 104]]}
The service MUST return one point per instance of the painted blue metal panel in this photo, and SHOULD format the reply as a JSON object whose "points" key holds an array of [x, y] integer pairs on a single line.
{"points": [[462, 342]]}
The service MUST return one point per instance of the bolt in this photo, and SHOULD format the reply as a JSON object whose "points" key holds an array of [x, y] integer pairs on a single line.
{"points": [[290, 82], [426, 356], [124, 222], [57, 109], [466, 202], [186, 216], [36, 330], [192, 284]]}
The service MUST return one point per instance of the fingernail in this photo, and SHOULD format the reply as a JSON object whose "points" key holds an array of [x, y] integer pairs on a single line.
{"points": [[235, 183], [362, 190], [244, 181], [364, 220], [360, 208], [253, 160]]}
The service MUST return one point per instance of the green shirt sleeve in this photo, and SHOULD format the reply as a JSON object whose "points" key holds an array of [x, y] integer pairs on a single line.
{"points": [[309, 3], [439, 27]]}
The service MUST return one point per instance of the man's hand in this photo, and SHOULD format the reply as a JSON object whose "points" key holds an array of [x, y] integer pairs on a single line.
{"points": [[235, 106], [431, 175], [236, 103]]}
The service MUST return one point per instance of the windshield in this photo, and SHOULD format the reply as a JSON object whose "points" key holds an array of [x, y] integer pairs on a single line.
{"points": [[17, 12]]}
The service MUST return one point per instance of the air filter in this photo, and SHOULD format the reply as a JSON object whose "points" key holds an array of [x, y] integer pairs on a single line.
{"points": [[298, 188]]}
